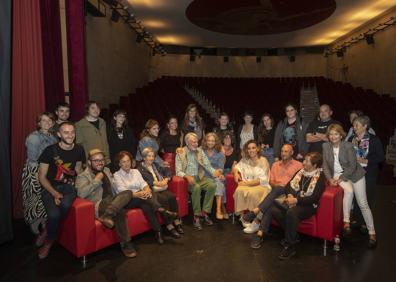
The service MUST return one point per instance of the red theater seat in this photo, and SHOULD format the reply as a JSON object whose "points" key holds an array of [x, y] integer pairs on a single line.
{"points": [[82, 234], [326, 224]]}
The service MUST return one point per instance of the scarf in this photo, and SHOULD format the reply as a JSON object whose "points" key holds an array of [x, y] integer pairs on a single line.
{"points": [[361, 146], [295, 182]]}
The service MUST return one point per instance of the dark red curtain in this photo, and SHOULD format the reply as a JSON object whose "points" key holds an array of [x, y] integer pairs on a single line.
{"points": [[76, 57], [27, 86], [52, 51]]}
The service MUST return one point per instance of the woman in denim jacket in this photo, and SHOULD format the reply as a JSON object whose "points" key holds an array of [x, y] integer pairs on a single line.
{"points": [[36, 142]]}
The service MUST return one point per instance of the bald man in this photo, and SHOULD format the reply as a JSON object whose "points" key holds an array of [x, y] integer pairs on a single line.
{"points": [[316, 132], [281, 173]]}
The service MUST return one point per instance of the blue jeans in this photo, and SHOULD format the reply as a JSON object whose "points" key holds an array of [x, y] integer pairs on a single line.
{"points": [[268, 153], [266, 205], [57, 213]]}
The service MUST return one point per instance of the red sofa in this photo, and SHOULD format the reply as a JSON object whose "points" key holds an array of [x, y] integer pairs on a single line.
{"points": [[82, 234], [326, 224]]}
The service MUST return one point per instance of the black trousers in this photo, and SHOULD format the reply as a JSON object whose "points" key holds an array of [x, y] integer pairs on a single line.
{"points": [[290, 218], [149, 207], [113, 206]]}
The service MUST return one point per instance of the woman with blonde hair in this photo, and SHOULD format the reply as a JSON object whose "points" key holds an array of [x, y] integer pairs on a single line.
{"points": [[341, 168], [212, 148]]}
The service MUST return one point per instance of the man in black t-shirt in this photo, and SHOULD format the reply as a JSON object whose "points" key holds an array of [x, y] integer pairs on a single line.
{"points": [[59, 165], [316, 132]]}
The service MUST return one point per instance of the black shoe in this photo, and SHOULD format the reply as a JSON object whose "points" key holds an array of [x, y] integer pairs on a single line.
{"points": [[347, 232], [168, 215], [372, 244], [197, 223], [159, 238], [128, 249], [287, 252], [256, 241], [207, 220], [179, 229], [363, 229], [173, 232]]}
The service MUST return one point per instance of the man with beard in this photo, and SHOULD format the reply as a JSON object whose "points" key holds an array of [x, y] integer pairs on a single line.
{"points": [[62, 112], [59, 165], [91, 132], [96, 184]]}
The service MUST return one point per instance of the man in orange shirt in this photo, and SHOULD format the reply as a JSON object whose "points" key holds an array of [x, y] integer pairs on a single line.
{"points": [[281, 173]]}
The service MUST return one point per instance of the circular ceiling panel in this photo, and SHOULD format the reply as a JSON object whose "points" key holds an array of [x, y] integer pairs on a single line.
{"points": [[258, 17]]}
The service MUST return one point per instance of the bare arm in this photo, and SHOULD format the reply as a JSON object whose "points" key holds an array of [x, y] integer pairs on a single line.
{"points": [[43, 170]]}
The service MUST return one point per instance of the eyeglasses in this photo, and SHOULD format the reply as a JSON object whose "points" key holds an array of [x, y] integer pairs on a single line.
{"points": [[98, 161]]}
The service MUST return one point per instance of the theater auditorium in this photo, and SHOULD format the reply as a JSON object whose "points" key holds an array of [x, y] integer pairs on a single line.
{"points": [[221, 140]]}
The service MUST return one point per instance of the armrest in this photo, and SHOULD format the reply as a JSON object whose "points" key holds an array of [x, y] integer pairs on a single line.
{"points": [[77, 233], [231, 186], [179, 187], [329, 214]]}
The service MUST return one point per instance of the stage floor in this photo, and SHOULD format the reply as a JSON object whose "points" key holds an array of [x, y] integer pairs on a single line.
{"points": [[218, 253]]}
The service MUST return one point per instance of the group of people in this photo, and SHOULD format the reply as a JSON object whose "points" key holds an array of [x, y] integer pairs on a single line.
{"points": [[280, 171]]}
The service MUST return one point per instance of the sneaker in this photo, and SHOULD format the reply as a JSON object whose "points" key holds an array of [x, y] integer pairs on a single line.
{"points": [[45, 249], [244, 222], [287, 252], [284, 243], [207, 220], [40, 239], [106, 221], [128, 249], [179, 229], [256, 241], [252, 228], [197, 223], [173, 233]]}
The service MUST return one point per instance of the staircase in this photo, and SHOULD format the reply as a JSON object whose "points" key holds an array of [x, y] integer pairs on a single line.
{"points": [[309, 103]]}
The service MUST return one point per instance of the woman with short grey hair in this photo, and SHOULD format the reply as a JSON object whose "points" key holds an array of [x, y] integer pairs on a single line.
{"points": [[158, 177]]}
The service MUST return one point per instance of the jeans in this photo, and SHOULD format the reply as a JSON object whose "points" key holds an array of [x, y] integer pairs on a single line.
{"points": [[207, 185], [113, 206], [57, 213], [220, 189], [268, 153], [148, 207], [371, 185], [359, 190], [266, 205], [290, 218]]}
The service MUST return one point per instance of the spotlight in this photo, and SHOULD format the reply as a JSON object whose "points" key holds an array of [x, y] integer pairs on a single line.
{"points": [[369, 39], [139, 38], [115, 16]]}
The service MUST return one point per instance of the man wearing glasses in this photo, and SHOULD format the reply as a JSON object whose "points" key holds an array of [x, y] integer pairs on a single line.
{"points": [[96, 184]]}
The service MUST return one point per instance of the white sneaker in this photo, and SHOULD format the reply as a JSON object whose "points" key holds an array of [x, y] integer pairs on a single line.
{"points": [[244, 222], [252, 228]]}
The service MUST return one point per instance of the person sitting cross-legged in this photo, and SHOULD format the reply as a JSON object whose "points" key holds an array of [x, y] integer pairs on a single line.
{"points": [[191, 163], [96, 184], [303, 195], [281, 173]]}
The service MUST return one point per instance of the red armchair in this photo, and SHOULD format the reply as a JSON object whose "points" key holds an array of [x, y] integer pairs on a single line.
{"points": [[82, 234], [325, 224]]}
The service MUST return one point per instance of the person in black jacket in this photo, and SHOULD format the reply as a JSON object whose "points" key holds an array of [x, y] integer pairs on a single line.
{"points": [[157, 177], [370, 155], [120, 136], [303, 195], [291, 130]]}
